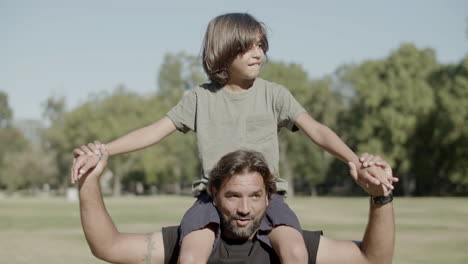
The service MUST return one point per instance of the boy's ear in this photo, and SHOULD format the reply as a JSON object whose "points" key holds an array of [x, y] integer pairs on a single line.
{"points": [[214, 194]]}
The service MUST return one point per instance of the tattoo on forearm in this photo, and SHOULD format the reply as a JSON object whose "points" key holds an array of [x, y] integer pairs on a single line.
{"points": [[149, 248]]}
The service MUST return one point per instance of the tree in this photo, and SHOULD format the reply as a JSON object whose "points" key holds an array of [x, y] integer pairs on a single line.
{"points": [[11, 139], [389, 97], [5, 111], [28, 169], [439, 157], [104, 117], [54, 140], [302, 162]]}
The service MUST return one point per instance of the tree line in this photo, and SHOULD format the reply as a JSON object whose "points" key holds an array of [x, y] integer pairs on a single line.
{"points": [[407, 108]]}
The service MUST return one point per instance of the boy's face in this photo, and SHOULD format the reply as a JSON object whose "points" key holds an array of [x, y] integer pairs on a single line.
{"points": [[247, 66]]}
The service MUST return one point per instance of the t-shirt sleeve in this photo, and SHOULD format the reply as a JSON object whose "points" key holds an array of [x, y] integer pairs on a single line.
{"points": [[287, 108], [171, 246], [312, 240], [183, 115]]}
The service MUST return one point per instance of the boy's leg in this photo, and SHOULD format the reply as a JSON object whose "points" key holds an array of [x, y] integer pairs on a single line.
{"points": [[284, 232], [197, 245], [288, 244]]}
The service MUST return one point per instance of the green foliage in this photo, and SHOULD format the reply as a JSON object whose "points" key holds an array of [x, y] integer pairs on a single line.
{"points": [[391, 95], [28, 169], [5, 111], [11, 143], [441, 152], [11, 139], [103, 118]]}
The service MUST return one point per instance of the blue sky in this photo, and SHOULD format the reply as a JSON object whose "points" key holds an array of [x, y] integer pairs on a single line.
{"points": [[79, 48]]}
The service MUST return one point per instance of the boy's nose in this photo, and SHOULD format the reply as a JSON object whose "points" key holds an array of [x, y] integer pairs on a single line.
{"points": [[257, 52]]}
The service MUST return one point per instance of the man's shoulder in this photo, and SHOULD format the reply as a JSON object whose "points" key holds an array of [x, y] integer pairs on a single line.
{"points": [[170, 236], [312, 240], [312, 234]]}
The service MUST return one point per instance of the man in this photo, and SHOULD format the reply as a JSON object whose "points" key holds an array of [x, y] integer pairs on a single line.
{"points": [[241, 185]]}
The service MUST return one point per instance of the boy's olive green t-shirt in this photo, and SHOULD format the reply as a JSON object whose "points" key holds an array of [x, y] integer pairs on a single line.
{"points": [[226, 122]]}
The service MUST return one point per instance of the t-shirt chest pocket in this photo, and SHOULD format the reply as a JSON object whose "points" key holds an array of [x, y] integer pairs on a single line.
{"points": [[260, 128]]}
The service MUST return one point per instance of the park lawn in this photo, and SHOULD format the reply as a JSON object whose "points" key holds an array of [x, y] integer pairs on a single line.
{"points": [[47, 230]]}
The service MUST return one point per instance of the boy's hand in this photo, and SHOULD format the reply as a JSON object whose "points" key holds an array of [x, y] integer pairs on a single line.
{"points": [[371, 189], [91, 149], [96, 172], [368, 160], [85, 158]]}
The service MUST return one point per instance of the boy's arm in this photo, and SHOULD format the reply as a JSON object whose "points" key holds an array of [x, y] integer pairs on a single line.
{"points": [[103, 238], [378, 243], [329, 141], [135, 140], [142, 138]]}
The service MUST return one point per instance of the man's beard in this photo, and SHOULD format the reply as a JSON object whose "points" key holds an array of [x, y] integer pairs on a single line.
{"points": [[229, 226]]}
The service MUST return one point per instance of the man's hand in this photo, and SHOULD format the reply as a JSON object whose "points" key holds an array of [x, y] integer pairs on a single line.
{"points": [[368, 173], [381, 170], [85, 158], [369, 160], [95, 171]]}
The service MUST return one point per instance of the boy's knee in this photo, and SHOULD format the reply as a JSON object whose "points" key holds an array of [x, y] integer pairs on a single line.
{"points": [[187, 259], [296, 254], [289, 245]]}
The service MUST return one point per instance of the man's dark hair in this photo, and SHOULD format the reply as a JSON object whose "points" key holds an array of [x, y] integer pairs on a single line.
{"points": [[239, 162], [226, 37]]}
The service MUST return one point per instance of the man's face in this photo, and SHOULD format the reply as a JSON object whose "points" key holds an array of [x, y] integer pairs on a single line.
{"points": [[241, 201]]}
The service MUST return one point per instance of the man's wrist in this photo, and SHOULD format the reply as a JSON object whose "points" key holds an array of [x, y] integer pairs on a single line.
{"points": [[382, 200]]}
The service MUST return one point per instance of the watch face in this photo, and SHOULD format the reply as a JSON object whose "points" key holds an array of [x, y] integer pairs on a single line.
{"points": [[383, 199]]}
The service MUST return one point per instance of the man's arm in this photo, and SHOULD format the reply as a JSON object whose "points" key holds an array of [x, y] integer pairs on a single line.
{"points": [[103, 238], [329, 141], [379, 238]]}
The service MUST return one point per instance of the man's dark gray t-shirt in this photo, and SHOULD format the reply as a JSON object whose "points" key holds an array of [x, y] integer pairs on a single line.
{"points": [[250, 251]]}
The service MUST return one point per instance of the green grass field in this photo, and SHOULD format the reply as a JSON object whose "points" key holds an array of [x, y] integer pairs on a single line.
{"points": [[429, 230]]}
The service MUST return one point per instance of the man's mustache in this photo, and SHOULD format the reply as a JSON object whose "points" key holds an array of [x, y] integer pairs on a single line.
{"points": [[242, 217]]}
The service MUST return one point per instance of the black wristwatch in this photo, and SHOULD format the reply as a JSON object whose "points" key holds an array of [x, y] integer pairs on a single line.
{"points": [[381, 200]]}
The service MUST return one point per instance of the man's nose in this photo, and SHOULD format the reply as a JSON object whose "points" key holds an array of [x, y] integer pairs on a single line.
{"points": [[244, 207]]}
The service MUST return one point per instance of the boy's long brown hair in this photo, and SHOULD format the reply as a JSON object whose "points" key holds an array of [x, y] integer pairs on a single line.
{"points": [[226, 37]]}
